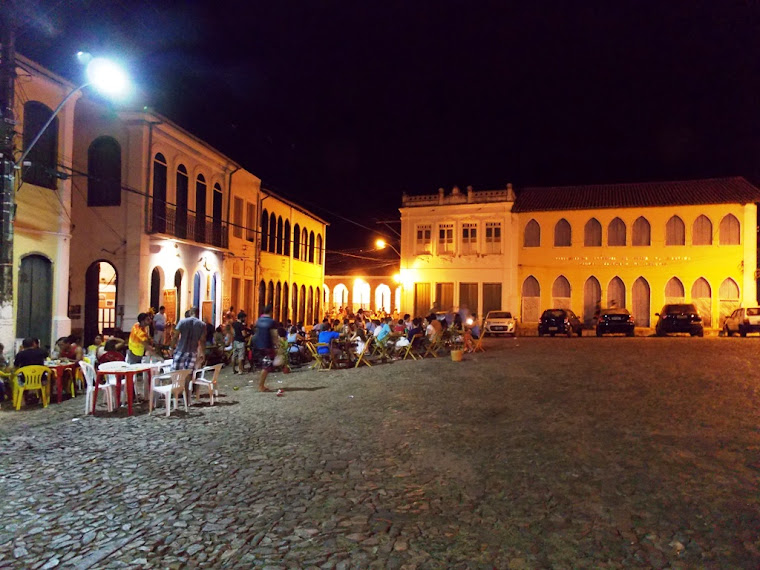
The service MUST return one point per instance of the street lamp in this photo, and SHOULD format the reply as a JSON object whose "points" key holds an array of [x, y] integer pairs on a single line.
{"points": [[382, 244], [104, 75]]}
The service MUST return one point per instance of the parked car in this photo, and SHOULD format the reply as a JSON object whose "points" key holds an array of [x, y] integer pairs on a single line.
{"points": [[559, 321], [742, 321], [679, 318], [500, 322], [615, 320]]}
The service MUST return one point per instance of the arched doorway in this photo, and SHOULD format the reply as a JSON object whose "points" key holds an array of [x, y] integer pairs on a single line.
{"points": [[302, 306], [674, 291], [561, 293], [592, 296], [262, 298], [729, 298], [178, 286], [701, 296], [340, 296], [34, 313], [214, 297], [616, 293], [641, 296], [155, 288], [100, 292], [383, 298], [197, 278], [310, 306], [531, 300]]}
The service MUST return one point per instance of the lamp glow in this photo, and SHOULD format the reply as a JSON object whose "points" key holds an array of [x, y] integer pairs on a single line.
{"points": [[380, 244], [106, 76]]}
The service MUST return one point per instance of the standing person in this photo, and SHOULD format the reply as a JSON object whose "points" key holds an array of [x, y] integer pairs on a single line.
{"points": [[262, 340], [159, 325], [189, 339], [238, 343], [139, 340]]}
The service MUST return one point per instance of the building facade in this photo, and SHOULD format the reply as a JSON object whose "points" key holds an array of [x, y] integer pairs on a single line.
{"points": [[458, 251], [43, 217], [637, 246]]}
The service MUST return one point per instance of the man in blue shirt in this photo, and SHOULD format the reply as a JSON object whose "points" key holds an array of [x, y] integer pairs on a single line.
{"points": [[326, 335]]}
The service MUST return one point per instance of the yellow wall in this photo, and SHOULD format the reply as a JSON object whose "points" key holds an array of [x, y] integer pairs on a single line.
{"points": [[656, 263]]}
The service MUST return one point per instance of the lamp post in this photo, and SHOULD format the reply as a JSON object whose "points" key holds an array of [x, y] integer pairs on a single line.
{"points": [[382, 244], [101, 74]]}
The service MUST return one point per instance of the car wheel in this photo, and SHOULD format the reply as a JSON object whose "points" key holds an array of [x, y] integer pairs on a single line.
{"points": [[701, 332], [540, 333], [629, 333], [742, 332], [580, 331], [551, 335], [659, 332], [570, 332], [599, 332], [726, 332]]}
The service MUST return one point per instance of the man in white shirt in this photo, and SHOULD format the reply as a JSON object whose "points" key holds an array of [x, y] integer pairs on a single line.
{"points": [[159, 325]]}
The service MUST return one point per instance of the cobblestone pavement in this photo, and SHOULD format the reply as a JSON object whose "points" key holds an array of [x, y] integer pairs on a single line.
{"points": [[551, 452]]}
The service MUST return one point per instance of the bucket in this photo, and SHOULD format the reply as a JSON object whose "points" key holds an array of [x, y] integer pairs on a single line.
{"points": [[456, 355]]}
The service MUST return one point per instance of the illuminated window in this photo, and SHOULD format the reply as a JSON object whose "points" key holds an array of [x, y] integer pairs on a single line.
{"points": [[445, 238], [532, 234], [642, 234], [562, 233], [702, 231], [592, 233], [729, 230], [469, 238], [423, 239], [616, 232], [493, 237]]}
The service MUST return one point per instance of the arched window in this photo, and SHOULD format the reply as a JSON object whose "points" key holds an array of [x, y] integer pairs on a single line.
{"points": [[532, 234], [43, 156], [285, 300], [286, 238], [562, 233], [592, 298], [272, 233], [277, 301], [616, 293], [616, 232], [270, 293], [310, 306], [702, 231], [304, 244], [592, 233], [642, 234], [561, 293], [302, 305], [200, 209], [675, 232], [296, 241], [180, 214], [279, 234], [104, 172], [217, 213], [262, 296], [319, 250], [311, 247], [729, 290], [701, 296], [730, 230], [159, 194], [264, 230], [295, 304]]}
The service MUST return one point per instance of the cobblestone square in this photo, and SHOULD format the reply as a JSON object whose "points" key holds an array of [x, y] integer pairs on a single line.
{"points": [[550, 452]]}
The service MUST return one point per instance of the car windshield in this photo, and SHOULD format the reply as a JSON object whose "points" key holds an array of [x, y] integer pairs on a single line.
{"points": [[754, 312], [554, 313], [676, 309], [499, 315]]}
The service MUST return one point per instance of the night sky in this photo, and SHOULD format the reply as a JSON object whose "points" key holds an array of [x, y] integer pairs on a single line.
{"points": [[342, 106]]}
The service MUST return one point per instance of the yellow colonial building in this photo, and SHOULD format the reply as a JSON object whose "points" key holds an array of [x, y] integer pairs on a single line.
{"points": [[637, 246]]}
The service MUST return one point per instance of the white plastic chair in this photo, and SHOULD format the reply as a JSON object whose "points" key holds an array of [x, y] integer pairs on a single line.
{"points": [[115, 365], [203, 377], [90, 378], [170, 391]]}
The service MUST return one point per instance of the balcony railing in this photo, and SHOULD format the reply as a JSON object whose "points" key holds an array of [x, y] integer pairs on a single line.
{"points": [[163, 218]]}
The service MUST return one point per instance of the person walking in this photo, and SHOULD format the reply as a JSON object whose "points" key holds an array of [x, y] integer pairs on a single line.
{"points": [[189, 340], [139, 340], [263, 341], [159, 325]]}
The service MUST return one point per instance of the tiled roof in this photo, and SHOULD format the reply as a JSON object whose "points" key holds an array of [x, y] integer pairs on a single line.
{"points": [[647, 194]]}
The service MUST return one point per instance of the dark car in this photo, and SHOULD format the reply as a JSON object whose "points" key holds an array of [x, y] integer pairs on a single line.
{"points": [[615, 320], [679, 318], [559, 321]]}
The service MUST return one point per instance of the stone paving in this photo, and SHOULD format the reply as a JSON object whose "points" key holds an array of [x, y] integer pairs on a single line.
{"points": [[584, 453]]}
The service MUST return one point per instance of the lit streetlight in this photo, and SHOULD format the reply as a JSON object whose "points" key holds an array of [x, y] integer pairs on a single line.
{"points": [[382, 244]]}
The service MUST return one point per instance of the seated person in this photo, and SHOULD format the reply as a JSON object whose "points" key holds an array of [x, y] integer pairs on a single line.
{"points": [[434, 326], [327, 336], [112, 354], [475, 328], [95, 349], [30, 354], [69, 349], [416, 328], [400, 326], [295, 344]]}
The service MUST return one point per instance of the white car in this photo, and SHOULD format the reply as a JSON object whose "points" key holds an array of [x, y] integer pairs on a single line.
{"points": [[499, 322], [742, 321]]}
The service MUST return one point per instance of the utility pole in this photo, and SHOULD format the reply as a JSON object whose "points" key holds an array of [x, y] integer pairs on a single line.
{"points": [[8, 186]]}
